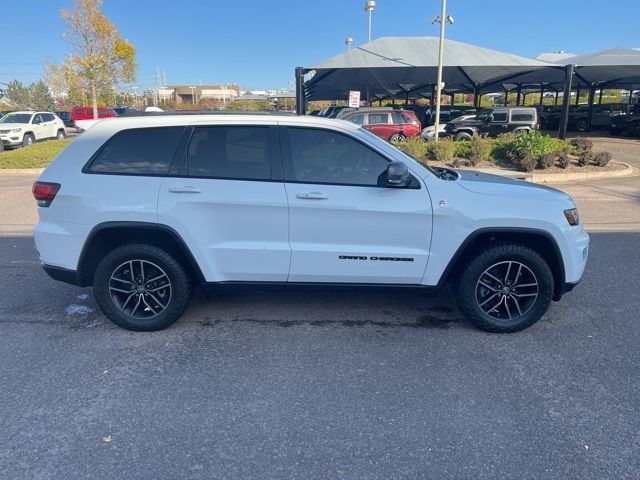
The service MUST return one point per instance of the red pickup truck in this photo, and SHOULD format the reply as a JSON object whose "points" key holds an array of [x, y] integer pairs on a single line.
{"points": [[86, 113]]}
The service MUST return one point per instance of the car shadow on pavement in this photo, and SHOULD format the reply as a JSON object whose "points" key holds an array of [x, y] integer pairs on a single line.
{"points": [[32, 297]]}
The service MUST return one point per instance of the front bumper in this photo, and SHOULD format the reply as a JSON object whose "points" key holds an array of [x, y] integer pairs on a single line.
{"points": [[71, 277]]}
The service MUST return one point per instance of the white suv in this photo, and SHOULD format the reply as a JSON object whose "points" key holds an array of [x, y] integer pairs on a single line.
{"points": [[143, 208], [25, 128]]}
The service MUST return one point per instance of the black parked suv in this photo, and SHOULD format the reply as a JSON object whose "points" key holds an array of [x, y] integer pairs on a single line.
{"points": [[497, 121], [627, 123]]}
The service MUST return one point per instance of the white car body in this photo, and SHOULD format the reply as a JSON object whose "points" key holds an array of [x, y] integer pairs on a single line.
{"points": [[296, 232], [38, 125]]}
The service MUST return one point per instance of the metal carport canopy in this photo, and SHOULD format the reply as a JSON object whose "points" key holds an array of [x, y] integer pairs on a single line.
{"points": [[391, 66]]}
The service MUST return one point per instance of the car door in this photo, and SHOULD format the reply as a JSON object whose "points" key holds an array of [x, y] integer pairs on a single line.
{"points": [[379, 124], [343, 226], [226, 198], [50, 127], [497, 123], [38, 127]]}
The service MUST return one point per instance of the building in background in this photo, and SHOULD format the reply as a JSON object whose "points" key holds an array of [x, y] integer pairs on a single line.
{"points": [[192, 94]]}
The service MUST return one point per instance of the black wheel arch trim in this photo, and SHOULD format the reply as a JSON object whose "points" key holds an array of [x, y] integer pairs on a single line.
{"points": [[559, 288], [101, 227]]}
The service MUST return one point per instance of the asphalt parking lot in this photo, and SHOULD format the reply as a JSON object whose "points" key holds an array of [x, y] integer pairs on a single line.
{"points": [[324, 385]]}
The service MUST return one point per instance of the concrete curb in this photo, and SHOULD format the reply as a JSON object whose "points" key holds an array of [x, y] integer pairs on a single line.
{"points": [[11, 172], [561, 177], [567, 177]]}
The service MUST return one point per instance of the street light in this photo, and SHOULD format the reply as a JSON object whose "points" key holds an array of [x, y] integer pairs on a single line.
{"points": [[369, 7], [442, 19], [193, 95], [348, 41]]}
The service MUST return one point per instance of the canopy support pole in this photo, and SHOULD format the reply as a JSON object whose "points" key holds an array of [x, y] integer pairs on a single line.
{"points": [[592, 94], [566, 98], [600, 96], [555, 102], [518, 92], [541, 93], [301, 100], [578, 95]]}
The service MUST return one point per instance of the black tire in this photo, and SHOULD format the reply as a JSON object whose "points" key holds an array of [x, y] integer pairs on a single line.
{"points": [[397, 137], [531, 309], [150, 318], [463, 137], [28, 139], [61, 134], [581, 126]]}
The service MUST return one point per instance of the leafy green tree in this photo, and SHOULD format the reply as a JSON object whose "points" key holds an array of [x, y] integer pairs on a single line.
{"points": [[35, 96]]}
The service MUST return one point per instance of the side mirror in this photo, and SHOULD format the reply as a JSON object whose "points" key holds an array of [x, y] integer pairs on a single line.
{"points": [[397, 175], [35, 121]]}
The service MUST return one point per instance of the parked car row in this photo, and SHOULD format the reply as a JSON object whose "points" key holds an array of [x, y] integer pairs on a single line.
{"points": [[601, 116]]}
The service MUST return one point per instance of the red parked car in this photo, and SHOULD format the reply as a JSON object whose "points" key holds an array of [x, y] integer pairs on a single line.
{"points": [[392, 125], [86, 113]]}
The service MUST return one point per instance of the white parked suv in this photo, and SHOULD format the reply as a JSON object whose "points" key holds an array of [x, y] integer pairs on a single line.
{"points": [[25, 128], [144, 208]]}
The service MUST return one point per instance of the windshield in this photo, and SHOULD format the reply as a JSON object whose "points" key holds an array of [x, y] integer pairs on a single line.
{"points": [[16, 118], [378, 141]]}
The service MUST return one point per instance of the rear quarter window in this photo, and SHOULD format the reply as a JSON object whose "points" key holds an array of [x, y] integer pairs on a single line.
{"points": [[140, 151], [522, 116]]}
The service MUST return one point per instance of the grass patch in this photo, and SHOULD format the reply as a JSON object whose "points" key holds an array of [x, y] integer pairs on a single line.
{"points": [[38, 155]]}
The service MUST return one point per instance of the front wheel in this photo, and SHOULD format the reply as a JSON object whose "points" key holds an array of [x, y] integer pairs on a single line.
{"points": [[28, 139], [141, 287], [397, 137], [506, 288], [581, 126], [61, 134]]}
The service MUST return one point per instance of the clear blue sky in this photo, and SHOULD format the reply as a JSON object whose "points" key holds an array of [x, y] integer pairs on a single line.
{"points": [[258, 43]]}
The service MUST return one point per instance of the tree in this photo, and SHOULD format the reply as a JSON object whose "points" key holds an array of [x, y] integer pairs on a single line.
{"points": [[34, 96], [100, 59]]}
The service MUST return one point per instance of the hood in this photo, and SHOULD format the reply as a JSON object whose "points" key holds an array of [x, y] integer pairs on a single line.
{"points": [[487, 184], [11, 126]]}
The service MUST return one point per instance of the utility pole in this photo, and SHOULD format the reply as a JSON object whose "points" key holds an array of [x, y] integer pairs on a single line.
{"points": [[442, 19]]}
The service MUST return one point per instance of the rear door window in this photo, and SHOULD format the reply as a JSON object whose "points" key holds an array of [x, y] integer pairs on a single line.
{"points": [[522, 116], [499, 117], [378, 118], [359, 119], [140, 151], [230, 152]]}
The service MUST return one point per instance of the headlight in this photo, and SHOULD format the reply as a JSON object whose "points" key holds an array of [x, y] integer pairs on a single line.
{"points": [[572, 216], [15, 130]]}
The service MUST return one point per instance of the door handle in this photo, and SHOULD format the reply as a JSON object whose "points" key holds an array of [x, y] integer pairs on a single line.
{"points": [[184, 189], [311, 196]]}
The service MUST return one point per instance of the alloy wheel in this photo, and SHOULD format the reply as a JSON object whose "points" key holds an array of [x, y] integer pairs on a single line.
{"points": [[506, 290], [140, 289]]}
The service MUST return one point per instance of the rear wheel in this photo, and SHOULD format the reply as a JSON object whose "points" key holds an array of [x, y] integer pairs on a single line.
{"points": [[28, 139], [581, 125], [61, 134], [397, 137], [506, 288], [463, 137], [141, 287]]}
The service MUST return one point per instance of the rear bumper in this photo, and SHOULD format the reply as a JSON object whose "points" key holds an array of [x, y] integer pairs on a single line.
{"points": [[62, 274]]}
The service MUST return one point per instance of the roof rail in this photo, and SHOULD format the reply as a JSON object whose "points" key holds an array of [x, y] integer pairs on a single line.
{"points": [[134, 113]]}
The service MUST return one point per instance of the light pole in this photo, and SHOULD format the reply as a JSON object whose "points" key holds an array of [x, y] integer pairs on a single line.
{"points": [[193, 95], [369, 7], [224, 94], [442, 19], [348, 41]]}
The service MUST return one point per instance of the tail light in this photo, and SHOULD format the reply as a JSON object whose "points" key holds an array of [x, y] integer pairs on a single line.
{"points": [[45, 192]]}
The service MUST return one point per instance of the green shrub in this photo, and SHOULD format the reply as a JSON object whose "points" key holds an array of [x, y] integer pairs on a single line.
{"points": [[536, 144], [602, 159], [563, 160], [462, 149], [480, 150], [442, 150], [414, 146], [548, 160], [526, 162], [581, 144], [502, 146], [585, 158]]}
